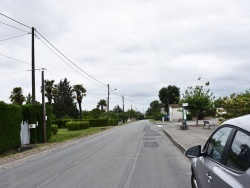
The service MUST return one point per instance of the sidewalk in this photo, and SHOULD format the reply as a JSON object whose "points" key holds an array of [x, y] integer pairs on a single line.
{"points": [[185, 139]]}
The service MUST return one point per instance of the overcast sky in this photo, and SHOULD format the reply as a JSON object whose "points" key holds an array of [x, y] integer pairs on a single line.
{"points": [[136, 46]]}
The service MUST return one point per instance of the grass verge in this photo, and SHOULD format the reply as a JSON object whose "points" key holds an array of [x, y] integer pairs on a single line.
{"points": [[63, 134]]}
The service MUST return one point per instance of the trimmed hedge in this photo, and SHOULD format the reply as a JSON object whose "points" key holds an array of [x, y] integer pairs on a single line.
{"points": [[102, 122], [60, 123], [10, 124], [54, 129], [33, 114], [77, 125]]}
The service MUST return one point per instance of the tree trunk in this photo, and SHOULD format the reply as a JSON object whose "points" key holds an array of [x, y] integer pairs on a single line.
{"points": [[80, 108], [197, 116]]}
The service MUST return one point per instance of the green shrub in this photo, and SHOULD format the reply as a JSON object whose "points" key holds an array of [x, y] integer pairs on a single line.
{"points": [[54, 129], [10, 121], [77, 125], [60, 123]]}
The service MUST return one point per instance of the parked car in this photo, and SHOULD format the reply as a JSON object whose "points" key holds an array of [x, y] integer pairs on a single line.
{"points": [[225, 158]]}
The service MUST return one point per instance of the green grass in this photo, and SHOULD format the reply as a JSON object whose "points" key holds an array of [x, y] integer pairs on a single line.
{"points": [[64, 134]]}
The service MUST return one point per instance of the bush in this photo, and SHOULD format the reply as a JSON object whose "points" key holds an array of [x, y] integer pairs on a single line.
{"points": [[77, 125], [54, 129], [60, 123], [10, 121]]}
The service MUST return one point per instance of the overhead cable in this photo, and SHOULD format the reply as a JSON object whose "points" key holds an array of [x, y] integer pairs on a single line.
{"points": [[13, 37], [14, 20], [69, 59], [13, 26]]}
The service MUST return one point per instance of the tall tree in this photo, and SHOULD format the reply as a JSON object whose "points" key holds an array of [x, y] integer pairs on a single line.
{"points": [[199, 100], [102, 103], [169, 95], [17, 96], [64, 104], [28, 99], [80, 93], [155, 108], [49, 88]]}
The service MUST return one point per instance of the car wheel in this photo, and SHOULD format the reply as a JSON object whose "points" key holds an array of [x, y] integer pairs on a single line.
{"points": [[193, 181]]}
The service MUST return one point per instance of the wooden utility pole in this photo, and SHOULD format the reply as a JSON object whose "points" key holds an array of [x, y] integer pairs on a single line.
{"points": [[44, 110], [123, 103], [33, 66], [108, 99]]}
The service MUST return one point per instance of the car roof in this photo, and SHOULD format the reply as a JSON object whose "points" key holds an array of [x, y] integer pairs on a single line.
{"points": [[242, 122]]}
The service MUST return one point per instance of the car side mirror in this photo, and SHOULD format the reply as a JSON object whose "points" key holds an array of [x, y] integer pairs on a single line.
{"points": [[193, 152]]}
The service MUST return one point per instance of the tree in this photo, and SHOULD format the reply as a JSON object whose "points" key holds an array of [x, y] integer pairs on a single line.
{"points": [[80, 93], [236, 105], [199, 100], [102, 103], [28, 99], [64, 104], [169, 95], [154, 108], [17, 96], [49, 88]]}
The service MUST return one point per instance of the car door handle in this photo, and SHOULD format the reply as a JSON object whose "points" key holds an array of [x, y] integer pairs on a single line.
{"points": [[209, 178]]}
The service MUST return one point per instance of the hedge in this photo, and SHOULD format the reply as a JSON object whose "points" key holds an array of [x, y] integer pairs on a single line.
{"points": [[60, 123], [54, 129], [77, 125], [33, 114], [10, 124]]}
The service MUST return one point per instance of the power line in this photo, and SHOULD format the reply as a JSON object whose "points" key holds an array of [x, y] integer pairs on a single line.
{"points": [[15, 20], [70, 60], [13, 26], [13, 37], [64, 60]]}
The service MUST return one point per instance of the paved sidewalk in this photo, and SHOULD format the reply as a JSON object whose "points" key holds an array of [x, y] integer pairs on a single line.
{"points": [[185, 139]]}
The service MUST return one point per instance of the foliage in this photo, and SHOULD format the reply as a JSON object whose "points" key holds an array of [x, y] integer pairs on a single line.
{"points": [[28, 99], [236, 105], [61, 123], [169, 95], [49, 88], [102, 103], [155, 107], [117, 109], [10, 121], [64, 100], [17, 96], [80, 93], [199, 100], [54, 129], [77, 125]]}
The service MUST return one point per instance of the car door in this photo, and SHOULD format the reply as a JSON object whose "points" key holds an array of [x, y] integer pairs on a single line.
{"points": [[237, 162], [214, 152]]}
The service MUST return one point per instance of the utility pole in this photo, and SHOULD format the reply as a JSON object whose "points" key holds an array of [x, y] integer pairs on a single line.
{"points": [[108, 99], [33, 66], [123, 103], [44, 109]]}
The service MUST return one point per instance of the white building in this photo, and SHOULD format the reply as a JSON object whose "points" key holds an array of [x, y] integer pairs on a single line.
{"points": [[175, 112]]}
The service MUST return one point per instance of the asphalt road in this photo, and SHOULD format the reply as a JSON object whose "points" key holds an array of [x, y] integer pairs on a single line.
{"points": [[136, 155]]}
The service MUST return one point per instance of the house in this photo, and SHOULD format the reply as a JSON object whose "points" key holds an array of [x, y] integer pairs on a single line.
{"points": [[175, 112]]}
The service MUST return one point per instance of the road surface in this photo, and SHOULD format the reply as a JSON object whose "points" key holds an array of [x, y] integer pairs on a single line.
{"points": [[136, 155]]}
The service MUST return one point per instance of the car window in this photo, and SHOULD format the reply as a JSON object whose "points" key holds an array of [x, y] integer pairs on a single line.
{"points": [[239, 154], [217, 143]]}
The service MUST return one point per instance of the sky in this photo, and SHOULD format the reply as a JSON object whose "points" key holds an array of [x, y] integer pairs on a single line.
{"points": [[135, 46]]}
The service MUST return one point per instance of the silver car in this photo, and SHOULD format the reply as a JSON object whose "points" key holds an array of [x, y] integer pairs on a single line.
{"points": [[224, 160]]}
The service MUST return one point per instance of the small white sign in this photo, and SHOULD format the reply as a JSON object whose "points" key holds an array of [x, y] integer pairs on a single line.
{"points": [[184, 104]]}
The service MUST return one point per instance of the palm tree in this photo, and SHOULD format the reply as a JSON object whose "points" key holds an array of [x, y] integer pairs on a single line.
{"points": [[102, 103], [49, 88], [17, 96], [80, 93]]}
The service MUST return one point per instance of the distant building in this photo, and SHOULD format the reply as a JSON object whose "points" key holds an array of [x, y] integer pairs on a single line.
{"points": [[175, 112]]}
